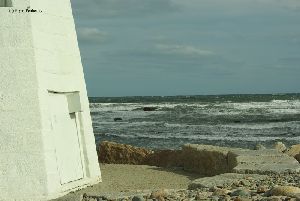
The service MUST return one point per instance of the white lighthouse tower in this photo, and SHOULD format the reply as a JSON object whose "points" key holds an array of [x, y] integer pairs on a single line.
{"points": [[47, 146]]}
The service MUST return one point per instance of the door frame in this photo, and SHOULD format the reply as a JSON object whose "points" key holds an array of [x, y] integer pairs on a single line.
{"points": [[79, 137]]}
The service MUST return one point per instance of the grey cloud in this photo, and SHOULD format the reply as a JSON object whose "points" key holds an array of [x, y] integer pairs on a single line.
{"points": [[289, 62], [91, 34], [183, 50], [290, 4], [122, 8], [286, 4], [181, 59], [235, 43]]}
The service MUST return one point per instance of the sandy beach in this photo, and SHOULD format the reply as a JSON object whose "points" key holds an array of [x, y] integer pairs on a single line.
{"points": [[123, 182], [128, 179], [196, 172]]}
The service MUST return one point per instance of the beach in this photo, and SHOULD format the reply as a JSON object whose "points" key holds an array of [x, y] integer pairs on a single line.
{"points": [[126, 182], [196, 172], [123, 179]]}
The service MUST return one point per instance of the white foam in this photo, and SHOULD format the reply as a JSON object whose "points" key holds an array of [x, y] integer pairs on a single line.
{"points": [[138, 123], [208, 137], [263, 126], [105, 107]]}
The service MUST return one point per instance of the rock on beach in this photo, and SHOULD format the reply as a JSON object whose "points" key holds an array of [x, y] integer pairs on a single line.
{"points": [[110, 152], [294, 151], [297, 157], [279, 146], [206, 160], [291, 191], [159, 194]]}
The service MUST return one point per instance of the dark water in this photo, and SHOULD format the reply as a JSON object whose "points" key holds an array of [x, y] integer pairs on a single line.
{"points": [[225, 120]]}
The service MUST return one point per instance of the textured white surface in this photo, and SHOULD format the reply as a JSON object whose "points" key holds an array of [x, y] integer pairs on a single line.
{"points": [[39, 54]]}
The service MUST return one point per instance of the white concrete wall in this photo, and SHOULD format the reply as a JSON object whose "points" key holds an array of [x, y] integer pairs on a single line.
{"points": [[38, 52], [20, 119], [59, 69]]}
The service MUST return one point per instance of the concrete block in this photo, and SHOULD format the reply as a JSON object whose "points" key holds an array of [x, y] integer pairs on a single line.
{"points": [[212, 160], [205, 159], [261, 161]]}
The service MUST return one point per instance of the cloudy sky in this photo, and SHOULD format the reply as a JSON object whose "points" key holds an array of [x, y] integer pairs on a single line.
{"points": [[189, 47]]}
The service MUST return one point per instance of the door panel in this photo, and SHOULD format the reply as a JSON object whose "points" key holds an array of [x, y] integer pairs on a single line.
{"points": [[65, 132]]}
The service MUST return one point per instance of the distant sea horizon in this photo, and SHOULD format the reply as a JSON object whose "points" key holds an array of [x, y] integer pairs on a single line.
{"points": [[168, 122], [189, 95]]}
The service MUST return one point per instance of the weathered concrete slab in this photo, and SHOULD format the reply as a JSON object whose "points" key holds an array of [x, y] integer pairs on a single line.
{"points": [[223, 180], [207, 160], [261, 161], [211, 160], [111, 152]]}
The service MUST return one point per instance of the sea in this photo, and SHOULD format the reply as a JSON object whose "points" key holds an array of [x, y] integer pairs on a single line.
{"points": [[168, 122]]}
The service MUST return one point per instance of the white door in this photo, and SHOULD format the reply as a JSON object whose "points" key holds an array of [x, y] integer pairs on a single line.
{"points": [[65, 133]]}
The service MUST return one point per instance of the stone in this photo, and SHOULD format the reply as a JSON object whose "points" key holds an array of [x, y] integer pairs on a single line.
{"points": [[213, 188], [273, 198], [262, 189], [285, 191], [147, 109], [160, 198], [293, 150], [86, 197], [297, 196], [138, 198], [111, 152], [220, 192], [297, 157], [202, 195], [245, 182], [240, 193], [226, 179], [241, 199], [214, 198], [118, 119], [259, 147], [159, 194], [225, 198], [279, 146]]}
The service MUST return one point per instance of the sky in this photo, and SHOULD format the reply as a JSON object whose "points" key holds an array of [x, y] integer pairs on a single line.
{"points": [[188, 47]]}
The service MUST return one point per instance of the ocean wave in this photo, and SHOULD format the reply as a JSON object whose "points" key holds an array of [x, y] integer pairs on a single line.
{"points": [[230, 108], [204, 137], [227, 120]]}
